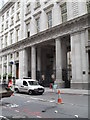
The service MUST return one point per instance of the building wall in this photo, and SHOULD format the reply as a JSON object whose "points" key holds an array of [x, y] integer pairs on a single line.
{"points": [[19, 30]]}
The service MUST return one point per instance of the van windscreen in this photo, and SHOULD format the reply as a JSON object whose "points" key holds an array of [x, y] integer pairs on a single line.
{"points": [[33, 82]]}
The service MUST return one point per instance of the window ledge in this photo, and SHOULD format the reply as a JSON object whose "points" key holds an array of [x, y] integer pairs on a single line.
{"points": [[28, 13], [37, 7], [6, 28], [11, 24], [17, 20]]}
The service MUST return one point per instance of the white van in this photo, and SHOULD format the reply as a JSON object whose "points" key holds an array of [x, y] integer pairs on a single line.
{"points": [[29, 86]]}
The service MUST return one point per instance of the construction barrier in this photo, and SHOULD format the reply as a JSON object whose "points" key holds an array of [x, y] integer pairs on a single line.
{"points": [[59, 98]]}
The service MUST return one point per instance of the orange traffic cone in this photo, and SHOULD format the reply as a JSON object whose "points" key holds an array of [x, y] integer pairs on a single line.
{"points": [[59, 98]]}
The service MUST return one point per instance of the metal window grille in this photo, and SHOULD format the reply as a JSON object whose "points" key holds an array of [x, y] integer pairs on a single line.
{"points": [[49, 16], [64, 12], [38, 24]]}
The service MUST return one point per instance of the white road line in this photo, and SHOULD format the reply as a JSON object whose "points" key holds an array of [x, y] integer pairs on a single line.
{"points": [[52, 101], [39, 117], [16, 111], [76, 116]]}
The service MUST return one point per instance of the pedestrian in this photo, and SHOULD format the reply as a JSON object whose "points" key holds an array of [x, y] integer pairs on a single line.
{"points": [[52, 81], [43, 81]]}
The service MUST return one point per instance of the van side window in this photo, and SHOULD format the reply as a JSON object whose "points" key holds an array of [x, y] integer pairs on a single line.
{"points": [[25, 83]]}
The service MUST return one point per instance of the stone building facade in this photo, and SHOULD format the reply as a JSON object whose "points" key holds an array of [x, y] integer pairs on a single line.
{"points": [[46, 38]]}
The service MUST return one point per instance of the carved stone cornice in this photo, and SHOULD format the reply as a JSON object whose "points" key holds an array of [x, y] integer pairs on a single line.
{"points": [[76, 25]]}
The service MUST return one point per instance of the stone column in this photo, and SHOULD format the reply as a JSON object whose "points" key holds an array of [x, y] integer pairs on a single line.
{"points": [[22, 3], [25, 63], [59, 81], [2, 69], [77, 72], [39, 59], [13, 66], [20, 64], [33, 62], [83, 39], [38, 62], [7, 68]]}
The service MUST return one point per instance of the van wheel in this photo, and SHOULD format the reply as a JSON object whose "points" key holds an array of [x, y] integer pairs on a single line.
{"points": [[17, 91], [30, 92]]}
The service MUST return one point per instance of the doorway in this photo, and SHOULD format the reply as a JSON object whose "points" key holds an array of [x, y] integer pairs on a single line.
{"points": [[17, 70]]}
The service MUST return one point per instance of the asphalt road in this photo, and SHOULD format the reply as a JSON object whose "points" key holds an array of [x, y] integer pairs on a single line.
{"points": [[44, 106]]}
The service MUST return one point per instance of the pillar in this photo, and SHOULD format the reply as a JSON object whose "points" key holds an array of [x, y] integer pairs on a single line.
{"points": [[25, 63], [59, 81], [20, 64], [13, 66], [79, 61], [7, 68], [38, 63], [2, 69], [33, 62]]}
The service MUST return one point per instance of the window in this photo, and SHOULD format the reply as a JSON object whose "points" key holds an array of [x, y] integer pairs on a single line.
{"points": [[49, 19], [38, 24], [88, 6], [2, 18], [7, 13], [28, 29], [0, 60], [6, 24], [2, 28], [18, 16], [17, 54], [10, 55], [1, 43], [11, 69], [28, 8], [64, 12], [11, 37], [46, 1], [25, 83], [12, 21], [89, 35], [5, 58], [6, 41], [18, 4], [12, 9], [17, 35], [37, 4]]}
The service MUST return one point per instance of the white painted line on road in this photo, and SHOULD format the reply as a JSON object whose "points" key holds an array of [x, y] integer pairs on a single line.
{"points": [[16, 111], [76, 116], [34, 98], [12, 105], [56, 111], [39, 117], [52, 101], [4, 118], [28, 101]]}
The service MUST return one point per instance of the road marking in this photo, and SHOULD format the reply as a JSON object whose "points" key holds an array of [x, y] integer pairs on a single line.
{"points": [[39, 117], [12, 105], [28, 101], [52, 101], [4, 118], [56, 111], [34, 98], [76, 116], [16, 110]]}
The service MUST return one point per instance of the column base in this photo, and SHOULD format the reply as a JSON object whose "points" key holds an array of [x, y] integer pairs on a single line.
{"points": [[60, 84], [80, 86]]}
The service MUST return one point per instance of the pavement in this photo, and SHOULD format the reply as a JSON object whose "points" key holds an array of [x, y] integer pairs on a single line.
{"points": [[69, 91]]}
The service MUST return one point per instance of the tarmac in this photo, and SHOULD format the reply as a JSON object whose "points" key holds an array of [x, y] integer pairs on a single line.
{"points": [[69, 91]]}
